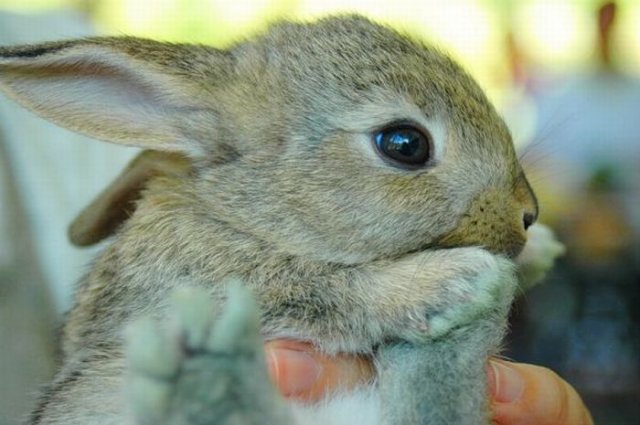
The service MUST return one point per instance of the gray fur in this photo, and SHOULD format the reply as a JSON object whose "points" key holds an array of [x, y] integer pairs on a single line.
{"points": [[286, 194], [450, 370]]}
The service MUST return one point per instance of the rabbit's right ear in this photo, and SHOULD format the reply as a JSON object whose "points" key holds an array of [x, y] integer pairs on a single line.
{"points": [[124, 90], [117, 202]]}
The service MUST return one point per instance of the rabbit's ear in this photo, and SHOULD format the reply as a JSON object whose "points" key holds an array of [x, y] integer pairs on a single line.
{"points": [[117, 202], [124, 90]]}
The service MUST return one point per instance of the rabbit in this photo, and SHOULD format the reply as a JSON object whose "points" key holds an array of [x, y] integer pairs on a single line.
{"points": [[335, 182]]}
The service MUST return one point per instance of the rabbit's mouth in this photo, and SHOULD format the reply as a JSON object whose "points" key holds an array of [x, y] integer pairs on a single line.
{"points": [[497, 241], [511, 252], [431, 246]]}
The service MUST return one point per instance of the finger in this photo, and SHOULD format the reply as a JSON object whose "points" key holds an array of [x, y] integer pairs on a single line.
{"points": [[531, 395], [301, 373]]}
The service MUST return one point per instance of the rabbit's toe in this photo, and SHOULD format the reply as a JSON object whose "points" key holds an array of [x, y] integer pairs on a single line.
{"points": [[199, 370]]}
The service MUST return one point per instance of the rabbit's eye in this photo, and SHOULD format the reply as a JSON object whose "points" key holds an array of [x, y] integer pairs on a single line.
{"points": [[403, 145]]}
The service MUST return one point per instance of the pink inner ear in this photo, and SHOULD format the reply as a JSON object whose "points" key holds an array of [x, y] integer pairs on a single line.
{"points": [[82, 86], [102, 95]]}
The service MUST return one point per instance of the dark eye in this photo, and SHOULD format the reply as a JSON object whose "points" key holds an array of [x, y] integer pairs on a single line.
{"points": [[403, 145]]}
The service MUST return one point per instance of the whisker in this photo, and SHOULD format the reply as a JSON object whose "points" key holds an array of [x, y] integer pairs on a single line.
{"points": [[543, 139]]}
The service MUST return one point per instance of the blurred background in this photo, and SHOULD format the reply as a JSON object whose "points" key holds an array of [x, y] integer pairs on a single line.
{"points": [[564, 74]]}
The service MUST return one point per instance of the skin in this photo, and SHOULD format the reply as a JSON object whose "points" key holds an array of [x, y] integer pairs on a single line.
{"points": [[522, 394]]}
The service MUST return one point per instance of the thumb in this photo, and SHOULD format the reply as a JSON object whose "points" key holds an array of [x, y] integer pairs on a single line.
{"points": [[531, 395], [300, 372]]}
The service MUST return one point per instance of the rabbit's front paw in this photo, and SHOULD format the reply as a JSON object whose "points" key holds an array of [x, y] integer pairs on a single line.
{"points": [[539, 255], [470, 284], [198, 370]]}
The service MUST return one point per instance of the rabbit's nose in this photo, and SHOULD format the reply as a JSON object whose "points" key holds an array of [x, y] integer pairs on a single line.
{"points": [[528, 219], [524, 195]]}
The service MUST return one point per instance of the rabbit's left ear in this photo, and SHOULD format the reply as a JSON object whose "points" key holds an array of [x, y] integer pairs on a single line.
{"points": [[124, 90], [110, 209]]}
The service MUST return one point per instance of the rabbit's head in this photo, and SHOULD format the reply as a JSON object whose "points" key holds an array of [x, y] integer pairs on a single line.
{"points": [[340, 140]]}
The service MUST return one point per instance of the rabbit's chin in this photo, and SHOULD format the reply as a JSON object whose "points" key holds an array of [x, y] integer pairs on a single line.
{"points": [[360, 406]]}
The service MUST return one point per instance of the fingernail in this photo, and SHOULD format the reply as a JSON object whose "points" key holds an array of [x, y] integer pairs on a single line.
{"points": [[294, 371], [505, 383]]}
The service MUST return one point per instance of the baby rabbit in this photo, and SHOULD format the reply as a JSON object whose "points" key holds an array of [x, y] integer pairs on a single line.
{"points": [[356, 182]]}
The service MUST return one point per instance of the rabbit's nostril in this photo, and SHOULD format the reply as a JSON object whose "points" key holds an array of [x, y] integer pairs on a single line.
{"points": [[528, 219]]}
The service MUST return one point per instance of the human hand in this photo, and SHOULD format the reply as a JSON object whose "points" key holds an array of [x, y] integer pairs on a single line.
{"points": [[521, 394], [301, 373], [524, 394]]}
